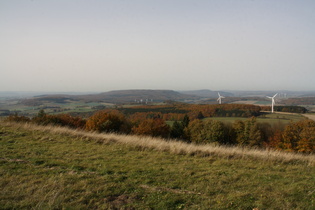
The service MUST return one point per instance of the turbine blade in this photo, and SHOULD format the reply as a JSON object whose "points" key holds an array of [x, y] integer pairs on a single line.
{"points": [[275, 95]]}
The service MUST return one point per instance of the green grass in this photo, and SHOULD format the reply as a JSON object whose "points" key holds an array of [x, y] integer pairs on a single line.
{"points": [[70, 106], [276, 118], [268, 118], [51, 170]]}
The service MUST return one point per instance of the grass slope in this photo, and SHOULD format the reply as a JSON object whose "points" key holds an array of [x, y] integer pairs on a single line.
{"points": [[47, 168]]}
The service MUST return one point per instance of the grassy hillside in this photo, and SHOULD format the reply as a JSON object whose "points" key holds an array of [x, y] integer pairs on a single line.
{"points": [[48, 167]]}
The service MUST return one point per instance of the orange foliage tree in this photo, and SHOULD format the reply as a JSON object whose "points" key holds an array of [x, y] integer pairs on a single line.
{"points": [[275, 141], [152, 127], [108, 121], [60, 119], [300, 136]]}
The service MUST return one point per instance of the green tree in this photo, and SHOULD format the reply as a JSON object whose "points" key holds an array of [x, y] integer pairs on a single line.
{"points": [[177, 130], [247, 132], [194, 131], [207, 132], [200, 116], [214, 131], [41, 114], [185, 121]]}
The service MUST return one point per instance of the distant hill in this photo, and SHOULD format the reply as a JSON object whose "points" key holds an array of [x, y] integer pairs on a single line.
{"points": [[205, 93], [281, 93], [120, 96]]}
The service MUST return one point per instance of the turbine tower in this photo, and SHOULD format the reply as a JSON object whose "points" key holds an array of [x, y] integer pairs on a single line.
{"points": [[272, 101], [220, 97]]}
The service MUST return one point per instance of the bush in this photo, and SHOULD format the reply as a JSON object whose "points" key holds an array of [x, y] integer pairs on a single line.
{"points": [[60, 119], [17, 118]]}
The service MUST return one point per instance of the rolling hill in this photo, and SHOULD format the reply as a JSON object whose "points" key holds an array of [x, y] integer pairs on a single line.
{"points": [[116, 97]]}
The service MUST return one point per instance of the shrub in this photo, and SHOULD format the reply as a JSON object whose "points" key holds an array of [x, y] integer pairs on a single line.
{"points": [[17, 118]]}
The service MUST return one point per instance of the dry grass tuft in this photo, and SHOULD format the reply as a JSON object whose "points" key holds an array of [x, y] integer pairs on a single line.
{"points": [[175, 147]]}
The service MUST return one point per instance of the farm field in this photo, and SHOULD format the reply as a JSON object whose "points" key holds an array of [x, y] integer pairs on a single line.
{"points": [[15, 106], [275, 118], [49, 167], [272, 118]]}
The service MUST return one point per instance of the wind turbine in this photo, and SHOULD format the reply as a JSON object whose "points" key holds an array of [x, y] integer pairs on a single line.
{"points": [[272, 101], [220, 97]]}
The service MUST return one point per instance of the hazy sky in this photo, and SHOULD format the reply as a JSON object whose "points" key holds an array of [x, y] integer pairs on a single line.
{"points": [[101, 45]]}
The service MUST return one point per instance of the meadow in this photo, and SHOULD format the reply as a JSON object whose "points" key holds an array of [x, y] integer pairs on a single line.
{"points": [[271, 118], [55, 168], [52, 107]]}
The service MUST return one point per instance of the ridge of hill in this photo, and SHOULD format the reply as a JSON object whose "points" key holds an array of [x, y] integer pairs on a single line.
{"points": [[122, 96], [118, 96]]}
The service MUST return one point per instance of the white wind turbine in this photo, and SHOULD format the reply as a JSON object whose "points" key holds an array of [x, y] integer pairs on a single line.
{"points": [[220, 97], [272, 101]]}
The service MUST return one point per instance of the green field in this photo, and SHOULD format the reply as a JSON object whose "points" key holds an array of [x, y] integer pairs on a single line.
{"points": [[268, 118], [52, 107], [273, 119], [44, 169]]}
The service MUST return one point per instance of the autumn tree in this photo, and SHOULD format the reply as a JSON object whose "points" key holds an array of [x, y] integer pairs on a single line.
{"points": [[108, 121], [307, 140], [66, 120], [275, 141], [194, 131], [152, 127], [299, 136]]}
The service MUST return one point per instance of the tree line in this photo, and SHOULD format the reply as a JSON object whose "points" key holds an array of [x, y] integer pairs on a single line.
{"points": [[296, 136]]}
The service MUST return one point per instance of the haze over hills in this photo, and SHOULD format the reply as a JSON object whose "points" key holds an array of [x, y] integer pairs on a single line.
{"points": [[119, 96], [123, 96], [206, 93]]}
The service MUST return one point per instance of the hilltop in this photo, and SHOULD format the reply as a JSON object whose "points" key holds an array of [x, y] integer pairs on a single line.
{"points": [[56, 168]]}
